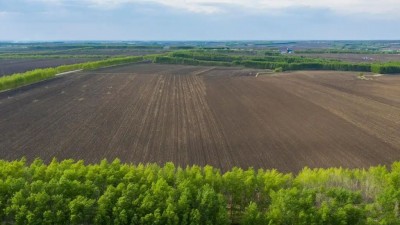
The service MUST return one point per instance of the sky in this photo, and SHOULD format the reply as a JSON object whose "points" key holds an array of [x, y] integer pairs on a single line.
{"points": [[46, 20]]}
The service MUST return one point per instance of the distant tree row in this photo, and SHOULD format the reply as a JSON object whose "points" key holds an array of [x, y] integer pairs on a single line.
{"points": [[209, 57], [188, 61], [69, 192], [345, 51], [340, 66]]}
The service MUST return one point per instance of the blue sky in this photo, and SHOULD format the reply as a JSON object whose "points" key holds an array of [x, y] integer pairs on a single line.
{"points": [[32, 20]]}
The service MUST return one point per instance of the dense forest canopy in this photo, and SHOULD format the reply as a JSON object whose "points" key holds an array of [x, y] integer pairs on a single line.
{"points": [[70, 192]]}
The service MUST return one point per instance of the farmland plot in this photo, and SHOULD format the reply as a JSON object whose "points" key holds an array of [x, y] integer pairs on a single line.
{"points": [[224, 117], [10, 66]]}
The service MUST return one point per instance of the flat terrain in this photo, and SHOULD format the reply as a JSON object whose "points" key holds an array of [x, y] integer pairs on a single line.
{"points": [[224, 117], [10, 66], [114, 52], [348, 57]]}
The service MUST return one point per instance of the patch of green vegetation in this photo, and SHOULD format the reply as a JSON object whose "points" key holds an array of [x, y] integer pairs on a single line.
{"points": [[70, 192], [361, 76]]}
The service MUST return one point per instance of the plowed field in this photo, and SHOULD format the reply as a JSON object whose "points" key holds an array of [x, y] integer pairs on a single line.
{"points": [[224, 117]]}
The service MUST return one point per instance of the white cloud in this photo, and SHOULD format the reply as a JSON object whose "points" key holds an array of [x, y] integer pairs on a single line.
{"points": [[207, 7], [380, 7]]}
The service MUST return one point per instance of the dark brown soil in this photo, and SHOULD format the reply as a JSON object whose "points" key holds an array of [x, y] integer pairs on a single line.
{"points": [[224, 117]]}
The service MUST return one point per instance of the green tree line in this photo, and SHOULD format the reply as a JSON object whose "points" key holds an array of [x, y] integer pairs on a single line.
{"points": [[345, 51], [286, 62], [70, 192], [188, 61]]}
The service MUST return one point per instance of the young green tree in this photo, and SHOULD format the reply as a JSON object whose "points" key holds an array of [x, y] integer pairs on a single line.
{"points": [[82, 210], [252, 215]]}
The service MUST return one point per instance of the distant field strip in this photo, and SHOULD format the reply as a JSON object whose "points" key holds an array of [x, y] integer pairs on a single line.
{"points": [[29, 77]]}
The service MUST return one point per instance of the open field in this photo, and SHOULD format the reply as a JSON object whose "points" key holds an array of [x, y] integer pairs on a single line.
{"points": [[10, 66], [351, 57], [224, 117], [115, 52]]}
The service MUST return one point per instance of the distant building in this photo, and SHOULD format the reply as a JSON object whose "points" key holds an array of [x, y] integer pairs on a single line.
{"points": [[287, 51]]}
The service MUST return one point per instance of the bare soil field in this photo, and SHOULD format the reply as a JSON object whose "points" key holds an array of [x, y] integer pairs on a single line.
{"points": [[115, 52], [355, 57], [223, 117], [10, 66]]}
